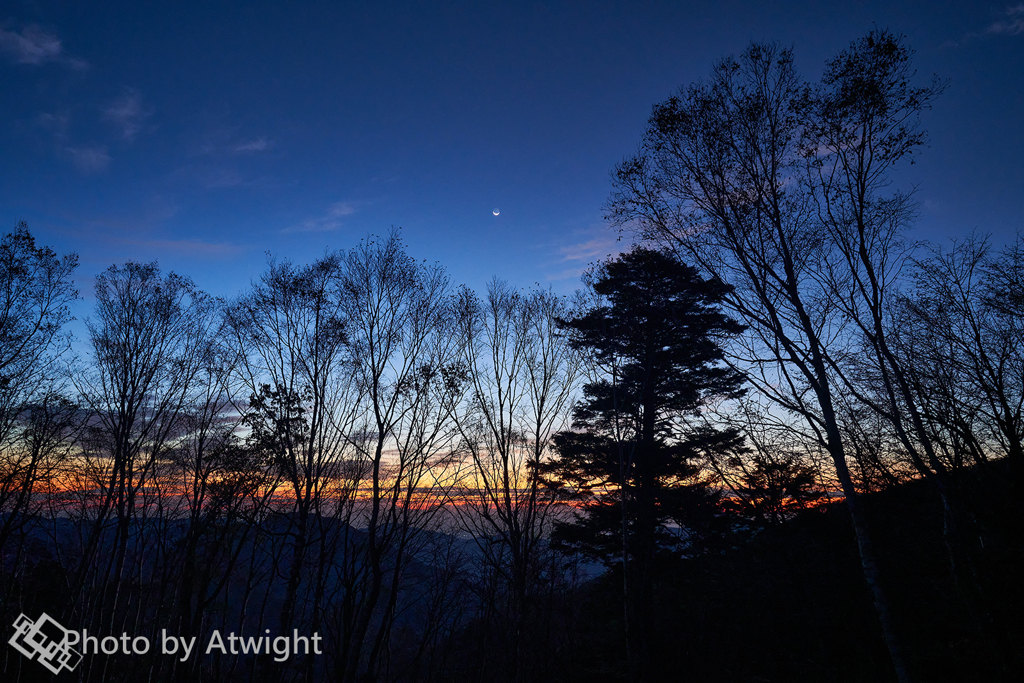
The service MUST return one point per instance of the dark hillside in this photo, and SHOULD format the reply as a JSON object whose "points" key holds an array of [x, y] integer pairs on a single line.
{"points": [[792, 605]]}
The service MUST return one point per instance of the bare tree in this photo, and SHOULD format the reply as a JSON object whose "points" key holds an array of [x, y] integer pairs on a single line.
{"points": [[960, 338], [863, 119], [407, 371], [353, 378], [772, 475], [289, 332], [774, 187], [523, 376], [209, 485], [151, 339], [35, 294]]}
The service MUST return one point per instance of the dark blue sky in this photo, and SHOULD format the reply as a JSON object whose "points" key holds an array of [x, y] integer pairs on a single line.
{"points": [[203, 134]]}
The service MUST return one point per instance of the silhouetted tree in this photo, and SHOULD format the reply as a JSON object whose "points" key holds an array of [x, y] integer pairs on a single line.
{"points": [[35, 294], [771, 477], [292, 360], [961, 339], [654, 334], [151, 339], [523, 376], [406, 368], [776, 188]]}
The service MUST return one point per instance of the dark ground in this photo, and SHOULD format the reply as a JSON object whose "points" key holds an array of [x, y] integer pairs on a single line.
{"points": [[792, 605]]}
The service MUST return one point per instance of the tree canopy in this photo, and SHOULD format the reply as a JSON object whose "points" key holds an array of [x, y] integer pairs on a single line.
{"points": [[654, 332]]}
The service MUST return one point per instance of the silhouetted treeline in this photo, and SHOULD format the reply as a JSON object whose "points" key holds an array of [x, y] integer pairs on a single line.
{"points": [[778, 441]]}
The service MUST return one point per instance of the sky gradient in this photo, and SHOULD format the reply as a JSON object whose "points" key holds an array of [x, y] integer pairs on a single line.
{"points": [[204, 134]]}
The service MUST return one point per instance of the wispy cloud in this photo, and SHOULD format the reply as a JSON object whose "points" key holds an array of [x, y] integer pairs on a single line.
{"points": [[565, 274], [599, 247], [328, 221], [90, 158], [257, 145], [1010, 24], [127, 113], [57, 124], [36, 46], [595, 243], [87, 158], [31, 46], [196, 248], [226, 140], [219, 178], [213, 174]]}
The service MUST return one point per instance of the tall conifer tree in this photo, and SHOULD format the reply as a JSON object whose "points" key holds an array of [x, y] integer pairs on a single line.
{"points": [[654, 333]]}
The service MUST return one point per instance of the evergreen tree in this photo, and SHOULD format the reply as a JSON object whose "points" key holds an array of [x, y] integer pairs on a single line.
{"points": [[654, 334]]}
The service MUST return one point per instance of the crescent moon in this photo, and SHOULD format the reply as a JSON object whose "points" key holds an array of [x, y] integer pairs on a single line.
{"points": [[496, 212]]}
